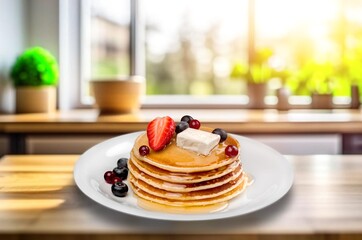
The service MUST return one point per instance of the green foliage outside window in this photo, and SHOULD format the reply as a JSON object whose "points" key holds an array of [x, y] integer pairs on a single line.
{"points": [[328, 77], [313, 77], [259, 71]]}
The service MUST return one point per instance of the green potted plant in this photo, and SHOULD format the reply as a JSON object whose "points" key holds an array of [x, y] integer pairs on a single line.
{"points": [[322, 83], [350, 75], [256, 74], [35, 77], [317, 80]]}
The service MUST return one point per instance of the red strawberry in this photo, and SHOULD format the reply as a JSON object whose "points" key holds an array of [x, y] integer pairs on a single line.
{"points": [[159, 132]]}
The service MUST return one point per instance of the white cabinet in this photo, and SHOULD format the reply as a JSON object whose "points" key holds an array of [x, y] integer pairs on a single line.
{"points": [[302, 144], [294, 144], [61, 144]]}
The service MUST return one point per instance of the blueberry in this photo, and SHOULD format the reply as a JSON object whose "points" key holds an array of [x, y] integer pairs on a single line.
{"points": [[181, 126], [119, 189], [122, 162], [121, 172], [223, 134], [186, 118]]}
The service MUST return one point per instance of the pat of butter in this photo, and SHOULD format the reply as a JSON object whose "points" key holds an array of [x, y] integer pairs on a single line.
{"points": [[197, 140]]}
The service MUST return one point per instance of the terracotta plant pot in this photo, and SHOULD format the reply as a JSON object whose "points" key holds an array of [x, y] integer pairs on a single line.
{"points": [[355, 97], [256, 93], [322, 101], [36, 99], [118, 95]]}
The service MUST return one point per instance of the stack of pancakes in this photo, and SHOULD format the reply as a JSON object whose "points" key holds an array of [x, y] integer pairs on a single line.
{"points": [[181, 178]]}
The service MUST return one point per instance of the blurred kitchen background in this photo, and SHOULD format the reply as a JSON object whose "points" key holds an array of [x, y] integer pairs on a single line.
{"points": [[197, 48], [195, 54]]}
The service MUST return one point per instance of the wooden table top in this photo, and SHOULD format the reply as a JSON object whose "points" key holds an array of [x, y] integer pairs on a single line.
{"points": [[233, 120], [39, 199]]}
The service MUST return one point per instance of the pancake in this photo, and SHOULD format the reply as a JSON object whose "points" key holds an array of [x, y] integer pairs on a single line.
{"points": [[192, 195], [183, 187], [182, 179], [239, 188], [178, 177], [176, 159]]}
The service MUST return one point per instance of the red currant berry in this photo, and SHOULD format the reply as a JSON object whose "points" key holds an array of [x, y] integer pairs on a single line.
{"points": [[194, 123], [231, 151], [116, 179], [144, 150], [108, 176]]}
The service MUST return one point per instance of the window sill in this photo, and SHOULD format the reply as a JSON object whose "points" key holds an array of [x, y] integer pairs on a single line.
{"points": [[187, 101], [222, 102], [227, 101]]}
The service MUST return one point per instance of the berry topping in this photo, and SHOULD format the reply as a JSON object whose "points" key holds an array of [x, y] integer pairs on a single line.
{"points": [[119, 189], [159, 132], [222, 133], [108, 176], [122, 162], [231, 151], [144, 150], [186, 118], [194, 123], [116, 179], [122, 173], [181, 126]]}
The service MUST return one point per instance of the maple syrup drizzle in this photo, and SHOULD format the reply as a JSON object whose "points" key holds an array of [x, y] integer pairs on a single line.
{"points": [[251, 179], [152, 206], [180, 158]]}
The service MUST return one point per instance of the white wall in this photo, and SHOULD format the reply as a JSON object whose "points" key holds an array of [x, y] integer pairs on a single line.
{"points": [[24, 23], [13, 38], [43, 24]]}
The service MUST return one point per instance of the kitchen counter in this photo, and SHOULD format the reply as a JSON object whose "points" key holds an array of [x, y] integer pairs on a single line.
{"points": [[39, 200], [234, 120], [76, 130]]}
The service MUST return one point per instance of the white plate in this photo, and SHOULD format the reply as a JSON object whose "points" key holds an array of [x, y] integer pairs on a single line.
{"points": [[273, 177]]}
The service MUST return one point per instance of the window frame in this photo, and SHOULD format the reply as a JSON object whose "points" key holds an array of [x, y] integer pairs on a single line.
{"points": [[70, 55], [75, 24]]}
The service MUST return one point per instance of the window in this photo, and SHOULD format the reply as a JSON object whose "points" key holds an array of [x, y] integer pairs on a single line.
{"points": [[110, 38], [190, 46], [108, 30], [193, 47], [310, 39]]}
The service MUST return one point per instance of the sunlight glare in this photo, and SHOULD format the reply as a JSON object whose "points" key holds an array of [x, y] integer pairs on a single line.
{"points": [[275, 18], [29, 204]]}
